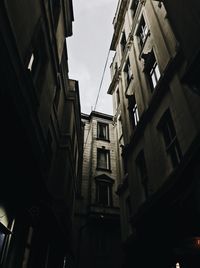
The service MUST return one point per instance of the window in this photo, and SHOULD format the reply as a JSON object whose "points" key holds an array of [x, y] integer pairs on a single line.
{"points": [[103, 194], [128, 213], [49, 151], [151, 69], [142, 32], [55, 7], [58, 89], [102, 131], [27, 250], [142, 172], [133, 111], [117, 98], [2, 245], [172, 146], [123, 42], [4, 239], [127, 73], [38, 59], [103, 159], [134, 6], [104, 190]]}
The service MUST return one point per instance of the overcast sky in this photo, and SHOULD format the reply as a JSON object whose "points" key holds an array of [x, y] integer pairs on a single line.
{"points": [[88, 49]]}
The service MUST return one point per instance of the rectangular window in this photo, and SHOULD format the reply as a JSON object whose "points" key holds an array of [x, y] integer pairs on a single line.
{"points": [[123, 42], [102, 131], [166, 126], [37, 60], [142, 32], [129, 213], [127, 73], [55, 9], [2, 245], [104, 191], [58, 90], [49, 151], [103, 159], [133, 111], [142, 172], [117, 98], [151, 69], [134, 5], [103, 194]]}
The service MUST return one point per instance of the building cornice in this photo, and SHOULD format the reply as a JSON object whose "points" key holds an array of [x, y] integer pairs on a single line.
{"points": [[96, 114]]}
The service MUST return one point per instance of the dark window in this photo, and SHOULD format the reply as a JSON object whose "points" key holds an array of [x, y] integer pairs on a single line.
{"points": [[127, 73], [133, 111], [142, 172], [117, 97], [103, 131], [123, 42], [49, 151], [27, 250], [166, 126], [128, 207], [151, 69], [103, 159], [2, 245], [134, 6], [142, 32], [104, 192], [129, 213], [55, 7], [38, 60], [58, 90]]}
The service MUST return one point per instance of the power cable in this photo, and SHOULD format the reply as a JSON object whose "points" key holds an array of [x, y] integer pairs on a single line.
{"points": [[99, 91]]}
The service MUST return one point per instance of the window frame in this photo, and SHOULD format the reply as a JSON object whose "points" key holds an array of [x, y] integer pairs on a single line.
{"points": [[106, 127], [55, 11], [123, 42], [151, 69], [106, 153], [133, 111], [170, 139], [128, 75], [134, 6], [107, 183], [142, 32], [142, 172], [57, 91], [37, 58]]}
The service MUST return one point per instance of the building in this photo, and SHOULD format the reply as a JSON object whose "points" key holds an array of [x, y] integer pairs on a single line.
{"points": [[185, 27], [156, 115], [40, 140], [97, 208]]}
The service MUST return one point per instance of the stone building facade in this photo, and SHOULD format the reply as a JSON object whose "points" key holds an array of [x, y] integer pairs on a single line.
{"points": [[40, 139], [157, 121], [97, 208]]}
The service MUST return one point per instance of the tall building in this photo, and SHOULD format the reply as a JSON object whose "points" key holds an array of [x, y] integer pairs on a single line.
{"points": [[40, 139], [97, 210], [157, 123], [186, 23]]}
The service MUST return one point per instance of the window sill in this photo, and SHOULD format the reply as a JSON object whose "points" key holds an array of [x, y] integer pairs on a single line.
{"points": [[104, 169], [101, 139]]}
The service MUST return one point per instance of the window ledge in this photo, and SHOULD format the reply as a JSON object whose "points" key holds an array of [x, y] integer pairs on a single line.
{"points": [[104, 169], [100, 139]]}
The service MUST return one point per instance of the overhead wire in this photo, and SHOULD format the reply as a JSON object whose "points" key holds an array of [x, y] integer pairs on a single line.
{"points": [[99, 91]]}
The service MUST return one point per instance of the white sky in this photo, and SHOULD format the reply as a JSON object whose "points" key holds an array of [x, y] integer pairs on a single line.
{"points": [[88, 49]]}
